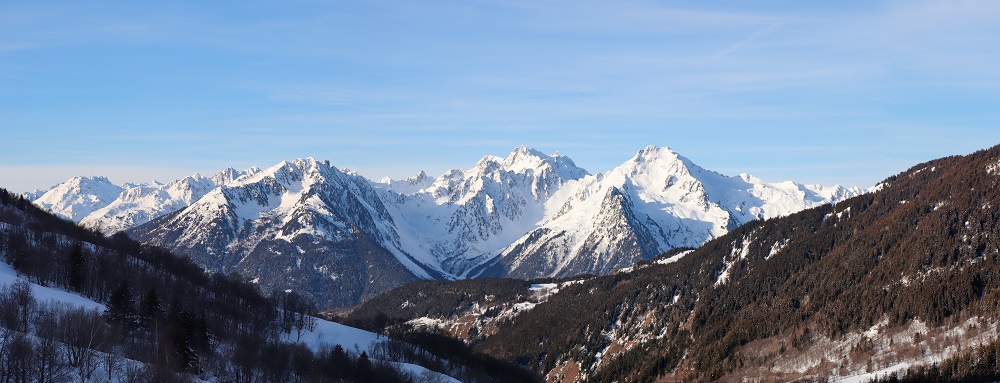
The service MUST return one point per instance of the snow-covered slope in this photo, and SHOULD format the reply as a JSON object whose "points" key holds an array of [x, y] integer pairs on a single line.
{"points": [[48, 294], [326, 334], [309, 226], [656, 201]]}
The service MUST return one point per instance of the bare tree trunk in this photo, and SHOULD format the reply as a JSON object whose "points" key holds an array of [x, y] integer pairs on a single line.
{"points": [[111, 360]]}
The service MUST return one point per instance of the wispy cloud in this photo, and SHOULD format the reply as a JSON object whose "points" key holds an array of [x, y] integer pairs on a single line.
{"points": [[746, 41]]}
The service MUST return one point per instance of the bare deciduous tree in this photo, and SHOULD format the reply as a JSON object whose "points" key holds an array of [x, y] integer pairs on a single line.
{"points": [[82, 332]]}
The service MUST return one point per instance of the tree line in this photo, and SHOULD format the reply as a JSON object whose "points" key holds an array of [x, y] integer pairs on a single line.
{"points": [[166, 320]]}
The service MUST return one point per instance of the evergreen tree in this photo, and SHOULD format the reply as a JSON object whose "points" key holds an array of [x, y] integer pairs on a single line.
{"points": [[184, 329], [363, 369], [338, 363], [75, 267], [150, 308], [121, 308]]}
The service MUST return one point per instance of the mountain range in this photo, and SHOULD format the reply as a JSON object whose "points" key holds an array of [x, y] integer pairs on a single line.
{"points": [[309, 226], [78, 306], [900, 284]]}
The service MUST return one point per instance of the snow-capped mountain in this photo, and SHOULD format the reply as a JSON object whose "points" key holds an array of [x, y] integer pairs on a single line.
{"points": [[465, 218], [138, 204], [303, 224], [75, 314], [309, 226], [654, 202], [78, 197]]}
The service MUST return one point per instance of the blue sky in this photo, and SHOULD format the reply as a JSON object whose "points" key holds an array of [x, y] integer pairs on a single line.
{"points": [[818, 92]]}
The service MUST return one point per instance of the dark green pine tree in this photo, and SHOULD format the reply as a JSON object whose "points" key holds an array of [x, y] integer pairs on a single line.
{"points": [[184, 334], [150, 308], [75, 263], [121, 308], [363, 371], [339, 363]]}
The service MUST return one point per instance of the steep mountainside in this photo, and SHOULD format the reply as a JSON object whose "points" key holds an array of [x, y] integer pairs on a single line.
{"points": [[341, 238], [656, 201], [465, 218], [303, 225], [906, 275]]}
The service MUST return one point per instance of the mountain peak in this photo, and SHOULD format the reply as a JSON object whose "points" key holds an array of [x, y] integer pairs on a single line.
{"points": [[419, 177], [662, 161], [225, 176], [87, 183], [299, 166], [523, 158], [84, 180], [653, 152], [524, 151], [409, 185], [543, 204], [307, 162], [194, 177], [79, 196]]}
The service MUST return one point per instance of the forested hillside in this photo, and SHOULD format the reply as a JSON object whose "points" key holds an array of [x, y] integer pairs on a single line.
{"points": [[905, 275], [155, 317]]}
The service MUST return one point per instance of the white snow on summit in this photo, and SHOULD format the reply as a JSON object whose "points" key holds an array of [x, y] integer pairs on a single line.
{"points": [[78, 197], [532, 213], [656, 201], [97, 203], [408, 186], [466, 217]]}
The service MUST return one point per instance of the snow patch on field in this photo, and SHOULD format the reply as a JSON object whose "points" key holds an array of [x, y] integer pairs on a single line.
{"points": [[422, 374], [674, 258], [47, 294], [862, 378], [326, 334]]}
